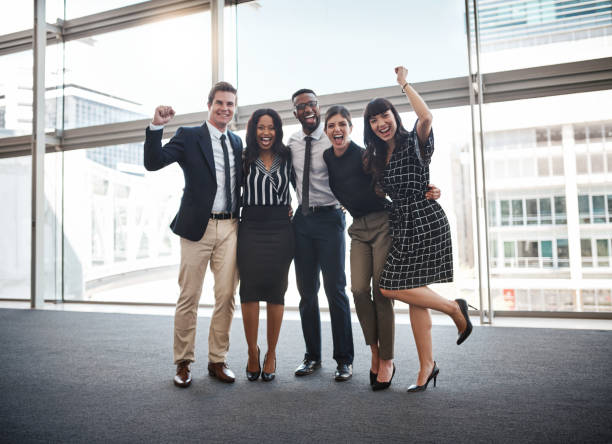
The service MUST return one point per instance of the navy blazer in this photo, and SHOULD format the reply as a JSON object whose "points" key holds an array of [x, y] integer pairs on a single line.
{"points": [[192, 149]]}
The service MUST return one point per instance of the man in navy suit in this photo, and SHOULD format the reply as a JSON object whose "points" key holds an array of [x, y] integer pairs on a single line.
{"points": [[210, 157]]}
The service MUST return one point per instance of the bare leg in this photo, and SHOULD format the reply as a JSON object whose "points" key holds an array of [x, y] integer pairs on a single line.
{"points": [[250, 319], [424, 297], [275, 319], [420, 320], [375, 358], [385, 370]]}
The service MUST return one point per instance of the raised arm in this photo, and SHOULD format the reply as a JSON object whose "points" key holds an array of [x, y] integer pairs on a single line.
{"points": [[156, 157], [418, 104]]}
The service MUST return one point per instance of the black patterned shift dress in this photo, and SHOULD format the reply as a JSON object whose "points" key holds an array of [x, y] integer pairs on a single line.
{"points": [[421, 253]]}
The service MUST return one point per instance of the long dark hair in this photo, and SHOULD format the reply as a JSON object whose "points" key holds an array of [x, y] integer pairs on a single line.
{"points": [[375, 158], [251, 153]]}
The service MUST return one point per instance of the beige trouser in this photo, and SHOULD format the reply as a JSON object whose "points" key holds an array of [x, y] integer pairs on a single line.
{"points": [[370, 242], [217, 246]]}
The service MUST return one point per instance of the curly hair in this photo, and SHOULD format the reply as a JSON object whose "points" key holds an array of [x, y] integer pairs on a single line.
{"points": [[251, 152]]}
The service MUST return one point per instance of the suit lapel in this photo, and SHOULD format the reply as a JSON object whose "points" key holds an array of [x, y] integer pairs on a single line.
{"points": [[206, 147]]}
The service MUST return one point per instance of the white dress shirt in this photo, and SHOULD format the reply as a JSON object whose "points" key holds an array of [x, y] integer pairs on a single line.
{"points": [[320, 194]]}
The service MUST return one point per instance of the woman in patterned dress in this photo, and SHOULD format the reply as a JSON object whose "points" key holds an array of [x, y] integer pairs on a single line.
{"points": [[265, 236], [421, 252]]}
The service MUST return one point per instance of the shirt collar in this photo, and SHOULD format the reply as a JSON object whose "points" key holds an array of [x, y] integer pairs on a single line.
{"points": [[316, 134], [214, 132]]}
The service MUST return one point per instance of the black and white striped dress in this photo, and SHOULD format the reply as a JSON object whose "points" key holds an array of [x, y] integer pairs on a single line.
{"points": [[265, 234], [421, 252]]}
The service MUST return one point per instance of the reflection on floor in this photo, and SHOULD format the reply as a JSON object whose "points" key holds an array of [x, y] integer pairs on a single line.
{"points": [[293, 314]]}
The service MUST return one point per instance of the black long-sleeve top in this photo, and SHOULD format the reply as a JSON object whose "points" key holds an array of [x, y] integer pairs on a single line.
{"points": [[350, 184]]}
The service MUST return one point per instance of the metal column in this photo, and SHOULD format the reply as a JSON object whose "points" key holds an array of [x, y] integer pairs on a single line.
{"points": [[37, 271], [216, 39], [480, 192]]}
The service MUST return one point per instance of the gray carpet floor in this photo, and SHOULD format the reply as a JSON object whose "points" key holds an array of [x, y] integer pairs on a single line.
{"points": [[96, 377]]}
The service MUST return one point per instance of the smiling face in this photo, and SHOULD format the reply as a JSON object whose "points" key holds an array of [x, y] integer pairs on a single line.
{"points": [[338, 130], [306, 110], [221, 110], [265, 132], [384, 125]]}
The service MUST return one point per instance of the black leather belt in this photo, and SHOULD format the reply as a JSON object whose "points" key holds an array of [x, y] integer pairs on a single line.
{"points": [[323, 208], [223, 216]]}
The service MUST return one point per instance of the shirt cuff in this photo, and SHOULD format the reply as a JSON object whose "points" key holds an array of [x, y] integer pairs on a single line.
{"points": [[155, 127]]}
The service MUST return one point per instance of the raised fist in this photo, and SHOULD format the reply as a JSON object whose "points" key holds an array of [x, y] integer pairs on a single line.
{"points": [[402, 73], [163, 114]]}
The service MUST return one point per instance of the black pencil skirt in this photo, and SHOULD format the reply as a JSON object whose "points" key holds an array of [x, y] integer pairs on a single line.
{"points": [[265, 252]]}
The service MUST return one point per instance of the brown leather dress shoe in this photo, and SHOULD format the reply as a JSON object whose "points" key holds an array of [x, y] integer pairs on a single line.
{"points": [[183, 374], [221, 371]]}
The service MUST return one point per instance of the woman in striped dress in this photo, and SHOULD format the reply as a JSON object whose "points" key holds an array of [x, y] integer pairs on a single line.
{"points": [[265, 236]]}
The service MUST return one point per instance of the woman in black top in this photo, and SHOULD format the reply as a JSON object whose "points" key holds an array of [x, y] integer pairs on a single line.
{"points": [[265, 235], [421, 253], [370, 241]]}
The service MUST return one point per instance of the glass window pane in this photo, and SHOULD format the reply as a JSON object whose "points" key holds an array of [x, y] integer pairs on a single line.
{"points": [[557, 166], [517, 212], [547, 253], [562, 253], [579, 133], [543, 167], [97, 92], [532, 211], [599, 210], [597, 162], [560, 216], [609, 207], [582, 163], [492, 205], [583, 209], [545, 213], [541, 137], [16, 16], [586, 252], [595, 133], [603, 253], [505, 212], [15, 219], [117, 218], [443, 21], [517, 35], [555, 136]]}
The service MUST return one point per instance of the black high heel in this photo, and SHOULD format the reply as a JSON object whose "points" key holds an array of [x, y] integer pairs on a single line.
{"points": [[373, 377], [252, 376], [383, 385], [421, 388], [463, 306], [268, 376]]}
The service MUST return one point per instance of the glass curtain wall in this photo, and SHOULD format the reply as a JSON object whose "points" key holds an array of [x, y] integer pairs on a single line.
{"points": [[548, 161]]}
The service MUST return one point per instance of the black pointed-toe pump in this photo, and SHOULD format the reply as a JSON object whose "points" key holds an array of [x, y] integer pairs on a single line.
{"points": [[463, 306], [421, 388]]}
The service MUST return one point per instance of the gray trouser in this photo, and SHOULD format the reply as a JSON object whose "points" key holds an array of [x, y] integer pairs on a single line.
{"points": [[370, 242]]}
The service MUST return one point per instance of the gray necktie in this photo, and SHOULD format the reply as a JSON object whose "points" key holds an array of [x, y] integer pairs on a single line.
{"points": [[228, 191], [306, 178]]}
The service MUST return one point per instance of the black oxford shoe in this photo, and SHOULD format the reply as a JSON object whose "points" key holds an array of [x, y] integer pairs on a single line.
{"points": [[307, 367], [343, 372]]}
